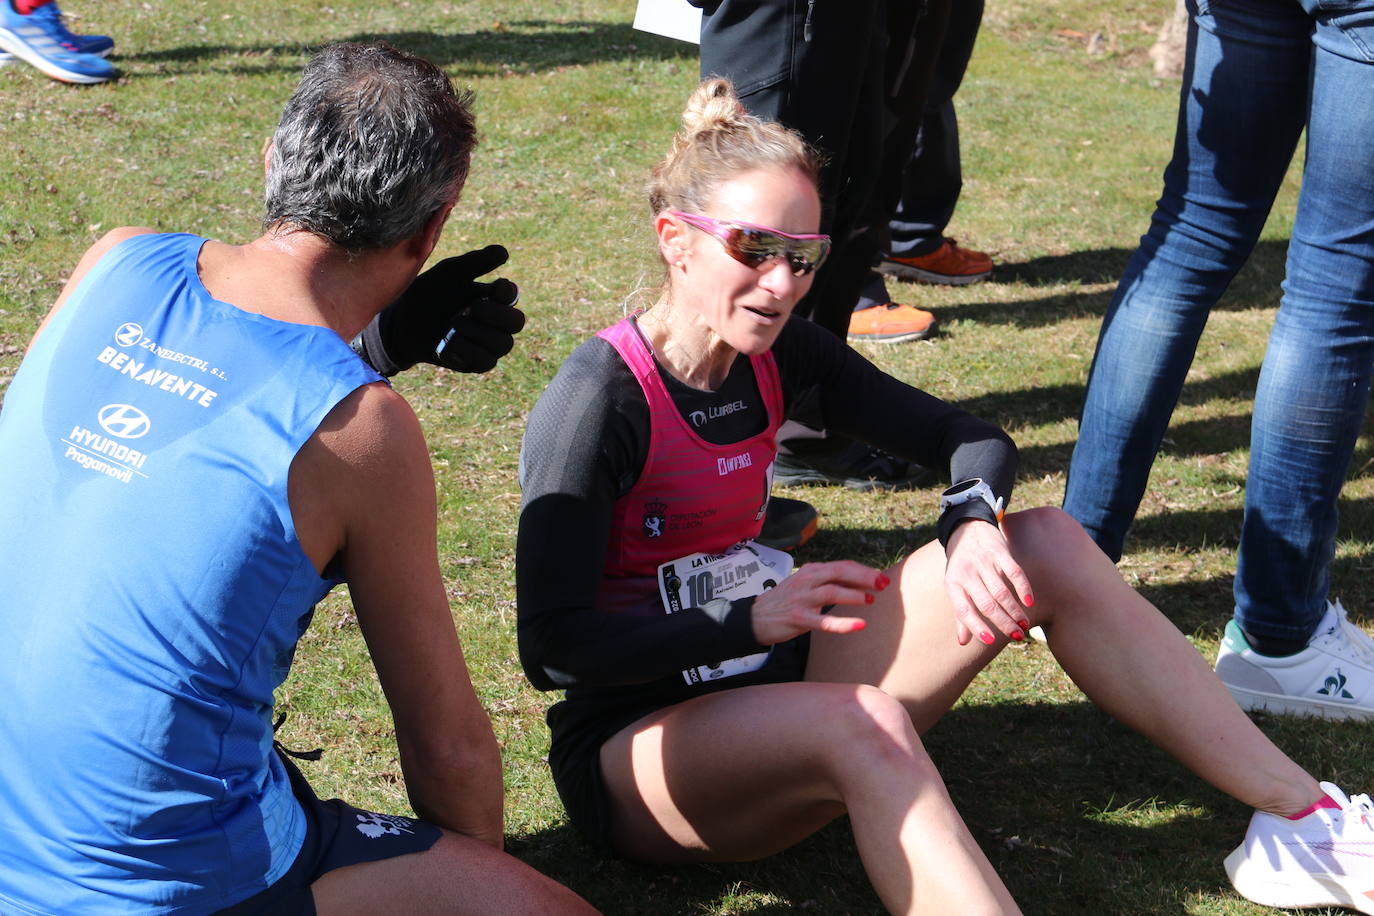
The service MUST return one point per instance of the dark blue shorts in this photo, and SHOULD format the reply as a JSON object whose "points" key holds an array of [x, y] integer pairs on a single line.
{"points": [[336, 834]]}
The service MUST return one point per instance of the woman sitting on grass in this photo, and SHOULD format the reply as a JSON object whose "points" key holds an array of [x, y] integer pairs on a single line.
{"points": [[717, 711]]}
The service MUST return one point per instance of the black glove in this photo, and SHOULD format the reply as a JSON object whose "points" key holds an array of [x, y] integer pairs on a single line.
{"points": [[448, 318]]}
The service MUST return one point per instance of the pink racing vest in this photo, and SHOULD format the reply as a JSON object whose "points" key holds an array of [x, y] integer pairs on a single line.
{"points": [[691, 496]]}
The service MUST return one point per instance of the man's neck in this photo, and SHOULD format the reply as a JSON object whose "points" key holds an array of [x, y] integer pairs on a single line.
{"points": [[300, 278]]}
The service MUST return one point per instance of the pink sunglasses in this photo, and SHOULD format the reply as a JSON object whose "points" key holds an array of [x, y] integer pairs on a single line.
{"points": [[755, 246]]}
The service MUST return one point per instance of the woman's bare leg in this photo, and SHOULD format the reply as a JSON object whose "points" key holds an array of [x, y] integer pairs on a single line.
{"points": [[741, 774], [1125, 655]]}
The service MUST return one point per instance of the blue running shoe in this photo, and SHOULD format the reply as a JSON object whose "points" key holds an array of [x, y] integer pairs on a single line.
{"points": [[99, 45], [36, 41]]}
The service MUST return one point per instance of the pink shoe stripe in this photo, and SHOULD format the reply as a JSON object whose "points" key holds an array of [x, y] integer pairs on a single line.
{"points": [[1326, 801]]}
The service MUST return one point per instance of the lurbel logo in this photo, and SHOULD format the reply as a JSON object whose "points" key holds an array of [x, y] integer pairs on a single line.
{"points": [[124, 421], [128, 334], [698, 418]]}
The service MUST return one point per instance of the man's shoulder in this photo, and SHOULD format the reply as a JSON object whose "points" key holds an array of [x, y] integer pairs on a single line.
{"points": [[105, 244], [374, 412], [111, 240], [365, 465]]}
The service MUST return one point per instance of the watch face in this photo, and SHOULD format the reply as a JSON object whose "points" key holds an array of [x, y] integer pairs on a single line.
{"points": [[963, 486]]}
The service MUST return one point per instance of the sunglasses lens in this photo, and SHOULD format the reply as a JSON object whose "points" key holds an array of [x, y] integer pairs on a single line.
{"points": [[804, 257], [756, 247], [800, 265]]}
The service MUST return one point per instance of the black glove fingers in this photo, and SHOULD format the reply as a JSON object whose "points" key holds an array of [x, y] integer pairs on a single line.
{"points": [[485, 312], [485, 337], [469, 266], [461, 355], [503, 292]]}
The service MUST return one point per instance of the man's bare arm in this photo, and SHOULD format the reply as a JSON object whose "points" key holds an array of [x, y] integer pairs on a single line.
{"points": [[368, 467]]}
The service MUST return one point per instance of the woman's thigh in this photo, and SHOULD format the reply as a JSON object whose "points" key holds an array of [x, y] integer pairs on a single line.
{"points": [[908, 648], [742, 773]]}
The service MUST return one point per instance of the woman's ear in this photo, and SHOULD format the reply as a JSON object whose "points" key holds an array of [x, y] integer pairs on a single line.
{"points": [[672, 241]]}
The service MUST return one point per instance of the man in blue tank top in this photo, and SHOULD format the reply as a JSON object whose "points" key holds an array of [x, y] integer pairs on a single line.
{"points": [[194, 456]]}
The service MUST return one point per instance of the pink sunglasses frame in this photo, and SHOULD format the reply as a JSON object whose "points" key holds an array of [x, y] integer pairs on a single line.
{"points": [[723, 232]]}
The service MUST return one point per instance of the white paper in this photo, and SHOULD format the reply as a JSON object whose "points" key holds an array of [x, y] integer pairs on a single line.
{"points": [[671, 18]]}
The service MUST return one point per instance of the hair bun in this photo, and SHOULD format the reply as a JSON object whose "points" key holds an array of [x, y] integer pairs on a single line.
{"points": [[712, 106], [718, 140]]}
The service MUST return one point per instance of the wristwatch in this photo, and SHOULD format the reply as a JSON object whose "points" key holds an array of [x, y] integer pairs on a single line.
{"points": [[968, 490]]}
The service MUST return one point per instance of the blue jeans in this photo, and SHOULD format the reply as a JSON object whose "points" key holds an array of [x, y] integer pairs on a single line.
{"points": [[1257, 72]]}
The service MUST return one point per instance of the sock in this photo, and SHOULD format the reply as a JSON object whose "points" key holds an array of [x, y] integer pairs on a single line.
{"points": [[24, 7], [1326, 801], [1268, 645]]}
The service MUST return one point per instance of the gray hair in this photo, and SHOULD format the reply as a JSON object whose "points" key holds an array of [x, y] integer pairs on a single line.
{"points": [[370, 146]]}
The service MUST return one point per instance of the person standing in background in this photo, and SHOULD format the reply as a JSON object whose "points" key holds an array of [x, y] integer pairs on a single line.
{"points": [[1256, 74]]}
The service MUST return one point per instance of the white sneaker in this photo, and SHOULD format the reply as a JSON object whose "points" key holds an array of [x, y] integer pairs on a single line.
{"points": [[1324, 859], [1333, 677]]}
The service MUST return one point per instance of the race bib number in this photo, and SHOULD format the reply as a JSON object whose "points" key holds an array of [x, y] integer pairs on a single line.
{"points": [[744, 570]]}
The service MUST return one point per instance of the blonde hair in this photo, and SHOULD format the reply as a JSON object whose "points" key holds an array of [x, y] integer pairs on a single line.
{"points": [[719, 140]]}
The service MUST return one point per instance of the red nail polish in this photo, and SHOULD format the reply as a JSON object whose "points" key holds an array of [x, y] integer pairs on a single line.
{"points": [[868, 598], [882, 582], [1023, 624], [1017, 635], [986, 637], [1028, 601]]}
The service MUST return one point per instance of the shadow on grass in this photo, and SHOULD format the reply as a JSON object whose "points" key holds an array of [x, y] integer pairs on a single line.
{"points": [[822, 874], [1077, 813], [1256, 286], [522, 47], [1047, 405]]}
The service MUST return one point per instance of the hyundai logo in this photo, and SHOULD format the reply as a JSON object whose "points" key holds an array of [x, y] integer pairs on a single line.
{"points": [[124, 421], [128, 334]]}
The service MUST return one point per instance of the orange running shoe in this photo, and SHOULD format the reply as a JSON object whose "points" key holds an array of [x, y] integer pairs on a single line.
{"points": [[788, 524], [949, 265], [890, 323]]}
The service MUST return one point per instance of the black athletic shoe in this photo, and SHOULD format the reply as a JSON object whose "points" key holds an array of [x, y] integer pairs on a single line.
{"points": [[857, 465], [789, 523]]}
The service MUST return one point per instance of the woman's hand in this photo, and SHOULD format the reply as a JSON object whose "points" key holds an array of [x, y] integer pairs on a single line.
{"points": [[799, 603], [985, 584]]}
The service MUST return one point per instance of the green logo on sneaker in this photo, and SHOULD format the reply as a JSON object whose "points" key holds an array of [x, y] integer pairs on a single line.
{"points": [[1335, 687]]}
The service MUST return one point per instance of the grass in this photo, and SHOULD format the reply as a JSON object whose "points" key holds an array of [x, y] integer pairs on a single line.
{"points": [[1065, 134]]}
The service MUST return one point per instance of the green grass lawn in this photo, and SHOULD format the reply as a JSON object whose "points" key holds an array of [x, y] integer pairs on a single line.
{"points": [[1065, 134]]}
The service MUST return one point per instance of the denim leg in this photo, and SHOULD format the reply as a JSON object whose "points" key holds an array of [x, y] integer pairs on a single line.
{"points": [[1314, 385], [1241, 110]]}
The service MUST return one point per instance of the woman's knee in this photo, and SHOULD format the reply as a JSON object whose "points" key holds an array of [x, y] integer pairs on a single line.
{"points": [[1049, 536], [1043, 521], [1069, 574], [866, 723]]}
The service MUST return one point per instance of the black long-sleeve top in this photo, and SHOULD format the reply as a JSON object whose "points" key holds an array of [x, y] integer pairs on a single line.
{"points": [[587, 441]]}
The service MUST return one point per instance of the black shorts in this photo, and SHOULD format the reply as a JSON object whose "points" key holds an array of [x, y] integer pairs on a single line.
{"points": [[336, 834], [580, 725]]}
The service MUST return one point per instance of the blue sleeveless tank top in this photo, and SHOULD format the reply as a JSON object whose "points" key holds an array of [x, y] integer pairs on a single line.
{"points": [[154, 590]]}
